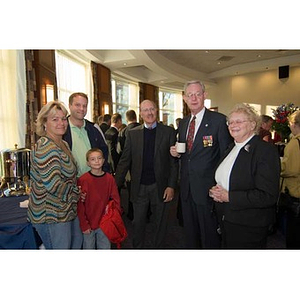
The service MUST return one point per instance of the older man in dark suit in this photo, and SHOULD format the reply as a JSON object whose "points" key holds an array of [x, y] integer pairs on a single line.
{"points": [[206, 135], [153, 173]]}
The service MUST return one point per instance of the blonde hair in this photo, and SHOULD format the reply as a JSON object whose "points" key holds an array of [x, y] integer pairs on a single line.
{"points": [[49, 109], [250, 112], [295, 118]]}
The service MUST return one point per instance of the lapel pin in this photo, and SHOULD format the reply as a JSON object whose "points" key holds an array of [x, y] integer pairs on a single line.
{"points": [[247, 147]]}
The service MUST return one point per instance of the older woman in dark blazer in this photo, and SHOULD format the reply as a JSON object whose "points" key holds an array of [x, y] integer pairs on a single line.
{"points": [[247, 183]]}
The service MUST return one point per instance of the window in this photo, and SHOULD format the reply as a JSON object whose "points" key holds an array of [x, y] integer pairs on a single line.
{"points": [[269, 110], [257, 107], [207, 103], [124, 97], [73, 75], [171, 106]]}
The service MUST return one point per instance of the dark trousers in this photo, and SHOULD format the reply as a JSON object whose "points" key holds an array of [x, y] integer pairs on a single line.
{"points": [[292, 230], [148, 195], [130, 205], [237, 236], [200, 225]]}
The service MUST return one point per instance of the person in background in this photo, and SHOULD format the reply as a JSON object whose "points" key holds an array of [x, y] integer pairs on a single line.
{"points": [[123, 126], [99, 120], [247, 183], [54, 194], [111, 136], [290, 172], [131, 120], [105, 123], [153, 174], [131, 123], [96, 124], [98, 187], [177, 121], [265, 127], [206, 135], [82, 135]]}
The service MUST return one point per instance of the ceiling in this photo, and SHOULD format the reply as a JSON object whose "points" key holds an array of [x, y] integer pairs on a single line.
{"points": [[172, 68]]}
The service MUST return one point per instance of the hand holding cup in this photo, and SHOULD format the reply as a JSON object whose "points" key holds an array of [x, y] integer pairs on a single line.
{"points": [[180, 147]]}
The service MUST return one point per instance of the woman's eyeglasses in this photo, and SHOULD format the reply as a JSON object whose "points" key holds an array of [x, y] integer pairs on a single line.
{"points": [[236, 122]]}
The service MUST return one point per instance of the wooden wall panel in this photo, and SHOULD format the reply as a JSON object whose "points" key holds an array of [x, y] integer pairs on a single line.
{"points": [[149, 92], [46, 58], [104, 88], [44, 64]]}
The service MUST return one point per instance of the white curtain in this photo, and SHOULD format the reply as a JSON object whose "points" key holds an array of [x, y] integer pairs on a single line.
{"points": [[12, 99]]}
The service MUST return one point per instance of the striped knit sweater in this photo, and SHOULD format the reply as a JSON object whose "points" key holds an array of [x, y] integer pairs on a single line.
{"points": [[54, 193]]}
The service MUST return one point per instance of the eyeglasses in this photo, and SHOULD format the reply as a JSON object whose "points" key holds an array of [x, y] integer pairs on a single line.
{"points": [[197, 95], [237, 122], [146, 110]]}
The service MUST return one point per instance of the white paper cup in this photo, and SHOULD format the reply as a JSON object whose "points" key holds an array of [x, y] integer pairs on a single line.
{"points": [[180, 147]]}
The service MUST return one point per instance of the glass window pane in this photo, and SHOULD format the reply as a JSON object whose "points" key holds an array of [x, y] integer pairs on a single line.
{"points": [[72, 76], [171, 106], [257, 107], [124, 97]]}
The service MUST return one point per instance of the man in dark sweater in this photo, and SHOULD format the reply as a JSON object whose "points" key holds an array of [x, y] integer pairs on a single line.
{"points": [[153, 174]]}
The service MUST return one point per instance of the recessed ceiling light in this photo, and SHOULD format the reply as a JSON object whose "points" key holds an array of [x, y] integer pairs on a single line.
{"points": [[219, 62], [125, 64]]}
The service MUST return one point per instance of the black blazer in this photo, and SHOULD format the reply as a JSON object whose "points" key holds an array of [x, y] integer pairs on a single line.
{"points": [[111, 136], [253, 185], [198, 167], [165, 166]]}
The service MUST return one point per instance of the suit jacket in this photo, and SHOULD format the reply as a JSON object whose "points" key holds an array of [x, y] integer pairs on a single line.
{"points": [[123, 134], [111, 136], [198, 167], [104, 127], [253, 185], [165, 166]]}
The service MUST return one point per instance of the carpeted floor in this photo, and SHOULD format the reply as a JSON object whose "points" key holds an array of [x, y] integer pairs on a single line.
{"points": [[174, 237]]}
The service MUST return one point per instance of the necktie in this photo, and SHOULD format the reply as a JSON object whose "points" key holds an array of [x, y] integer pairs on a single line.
{"points": [[190, 136]]}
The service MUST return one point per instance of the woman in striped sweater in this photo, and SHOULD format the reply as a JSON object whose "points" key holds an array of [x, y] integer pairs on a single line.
{"points": [[54, 194]]}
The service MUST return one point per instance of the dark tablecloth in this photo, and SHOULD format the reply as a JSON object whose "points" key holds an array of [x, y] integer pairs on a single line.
{"points": [[15, 231]]}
